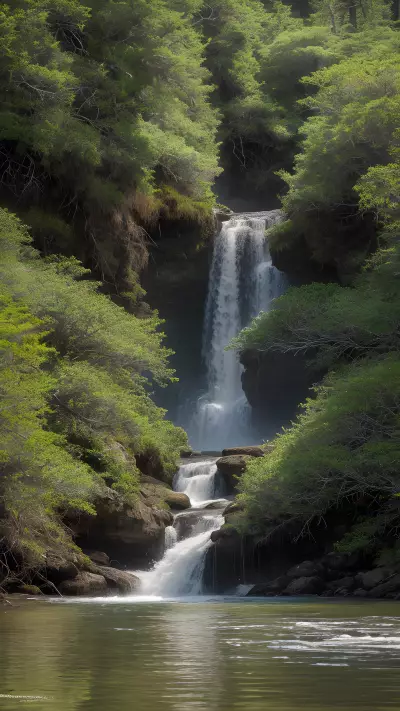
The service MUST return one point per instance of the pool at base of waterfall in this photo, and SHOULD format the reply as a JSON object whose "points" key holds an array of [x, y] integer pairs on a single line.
{"points": [[200, 654]]}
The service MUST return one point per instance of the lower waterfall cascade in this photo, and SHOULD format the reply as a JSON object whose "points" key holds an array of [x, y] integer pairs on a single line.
{"points": [[242, 283], [180, 571]]}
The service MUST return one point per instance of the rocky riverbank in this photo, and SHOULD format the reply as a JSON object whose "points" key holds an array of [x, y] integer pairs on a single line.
{"points": [[284, 566], [121, 536], [333, 575]]}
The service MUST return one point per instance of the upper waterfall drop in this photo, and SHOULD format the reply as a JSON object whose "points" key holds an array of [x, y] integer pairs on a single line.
{"points": [[242, 283]]}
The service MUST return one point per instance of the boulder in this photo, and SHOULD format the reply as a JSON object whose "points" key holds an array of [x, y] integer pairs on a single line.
{"points": [[84, 584], [185, 522], [275, 587], [132, 534], [231, 468], [26, 589], [57, 569], [306, 569], [177, 501], [252, 451], [307, 585], [99, 558], [348, 583], [233, 508], [372, 578], [118, 579], [216, 505], [392, 585], [222, 214], [225, 533], [341, 561]]}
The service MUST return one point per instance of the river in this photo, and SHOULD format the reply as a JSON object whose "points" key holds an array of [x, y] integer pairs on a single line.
{"points": [[200, 654], [159, 650]]}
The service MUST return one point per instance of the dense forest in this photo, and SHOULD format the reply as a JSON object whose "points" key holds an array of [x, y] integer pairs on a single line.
{"points": [[117, 116]]}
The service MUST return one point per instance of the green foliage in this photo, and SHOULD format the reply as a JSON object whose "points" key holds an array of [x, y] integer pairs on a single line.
{"points": [[350, 136], [328, 322], [340, 457], [38, 475], [343, 448], [75, 389], [179, 207], [101, 100]]}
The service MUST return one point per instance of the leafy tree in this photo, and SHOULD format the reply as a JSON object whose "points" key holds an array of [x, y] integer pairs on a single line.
{"points": [[104, 101], [76, 371], [344, 449]]}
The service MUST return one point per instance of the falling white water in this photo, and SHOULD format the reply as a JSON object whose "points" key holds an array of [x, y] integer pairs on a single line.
{"points": [[171, 537], [180, 572], [267, 282], [242, 283], [197, 480]]}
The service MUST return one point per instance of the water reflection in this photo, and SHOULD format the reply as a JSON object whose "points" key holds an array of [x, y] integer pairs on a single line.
{"points": [[214, 656]]}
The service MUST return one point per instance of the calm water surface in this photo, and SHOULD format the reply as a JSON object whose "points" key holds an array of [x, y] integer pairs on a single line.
{"points": [[200, 655]]}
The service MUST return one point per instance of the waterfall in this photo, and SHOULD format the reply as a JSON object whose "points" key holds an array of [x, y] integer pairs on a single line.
{"points": [[242, 283], [197, 480], [171, 537], [180, 571]]}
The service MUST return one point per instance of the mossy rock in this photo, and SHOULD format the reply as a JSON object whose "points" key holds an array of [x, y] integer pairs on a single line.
{"points": [[29, 589]]}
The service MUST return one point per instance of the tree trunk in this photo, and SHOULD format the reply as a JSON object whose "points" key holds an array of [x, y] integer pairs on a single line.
{"points": [[353, 14]]}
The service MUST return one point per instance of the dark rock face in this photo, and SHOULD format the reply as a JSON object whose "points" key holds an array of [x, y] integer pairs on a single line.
{"points": [[308, 568], [372, 578], [269, 589], [252, 451], [118, 580], [224, 533], [347, 583], [99, 558], [84, 584], [57, 570], [340, 561], [274, 385], [387, 589], [129, 535], [232, 467], [176, 283], [310, 585], [318, 578]]}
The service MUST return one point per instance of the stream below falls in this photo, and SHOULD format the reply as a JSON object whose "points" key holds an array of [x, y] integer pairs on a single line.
{"points": [[200, 654]]}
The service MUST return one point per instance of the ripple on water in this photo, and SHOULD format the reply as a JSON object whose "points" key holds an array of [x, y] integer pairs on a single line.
{"points": [[201, 656]]}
